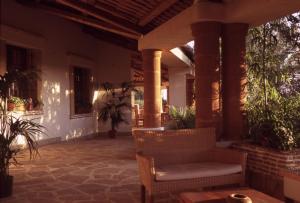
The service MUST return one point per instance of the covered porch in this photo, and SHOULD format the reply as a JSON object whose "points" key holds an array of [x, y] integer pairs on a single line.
{"points": [[178, 53]]}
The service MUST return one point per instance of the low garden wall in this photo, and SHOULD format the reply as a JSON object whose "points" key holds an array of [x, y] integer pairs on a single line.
{"points": [[264, 167]]}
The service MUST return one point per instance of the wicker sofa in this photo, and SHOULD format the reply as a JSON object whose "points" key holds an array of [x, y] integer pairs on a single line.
{"points": [[170, 161]]}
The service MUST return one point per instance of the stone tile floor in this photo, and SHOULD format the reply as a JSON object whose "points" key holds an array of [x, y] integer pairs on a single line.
{"points": [[81, 171]]}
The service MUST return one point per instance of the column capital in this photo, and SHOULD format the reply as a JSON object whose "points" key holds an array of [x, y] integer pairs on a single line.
{"points": [[206, 28], [151, 52]]}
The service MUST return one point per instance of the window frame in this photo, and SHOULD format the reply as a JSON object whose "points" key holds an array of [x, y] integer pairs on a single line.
{"points": [[79, 61], [37, 60]]}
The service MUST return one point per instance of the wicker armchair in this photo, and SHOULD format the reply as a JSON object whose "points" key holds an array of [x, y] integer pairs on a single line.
{"points": [[171, 161]]}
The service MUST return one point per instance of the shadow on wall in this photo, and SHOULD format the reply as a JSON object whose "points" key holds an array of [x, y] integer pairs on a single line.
{"points": [[48, 117], [56, 114], [52, 105]]}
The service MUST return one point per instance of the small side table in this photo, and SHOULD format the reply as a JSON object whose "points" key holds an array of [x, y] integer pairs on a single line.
{"points": [[218, 196]]}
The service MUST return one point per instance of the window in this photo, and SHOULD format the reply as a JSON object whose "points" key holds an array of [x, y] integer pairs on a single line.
{"points": [[82, 90], [23, 59]]}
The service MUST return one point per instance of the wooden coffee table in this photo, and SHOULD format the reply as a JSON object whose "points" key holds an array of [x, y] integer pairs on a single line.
{"points": [[218, 196]]}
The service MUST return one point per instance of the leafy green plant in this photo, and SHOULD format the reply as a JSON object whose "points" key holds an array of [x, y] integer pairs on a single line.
{"points": [[116, 102], [181, 118], [16, 100]]}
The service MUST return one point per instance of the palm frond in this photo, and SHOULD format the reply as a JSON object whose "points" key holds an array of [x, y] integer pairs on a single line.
{"points": [[116, 102], [11, 129]]}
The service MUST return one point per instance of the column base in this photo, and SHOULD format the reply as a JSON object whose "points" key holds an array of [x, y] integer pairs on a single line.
{"points": [[152, 120]]}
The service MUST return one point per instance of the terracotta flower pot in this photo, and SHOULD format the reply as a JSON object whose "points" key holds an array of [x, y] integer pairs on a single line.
{"points": [[6, 186], [238, 198], [10, 106]]}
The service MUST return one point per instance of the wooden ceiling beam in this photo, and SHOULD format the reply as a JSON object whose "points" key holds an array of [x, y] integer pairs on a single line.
{"points": [[88, 21], [115, 12], [118, 40], [165, 4], [92, 11], [125, 8]]}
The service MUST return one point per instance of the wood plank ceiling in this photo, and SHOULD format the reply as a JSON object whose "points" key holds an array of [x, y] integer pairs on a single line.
{"points": [[121, 22]]}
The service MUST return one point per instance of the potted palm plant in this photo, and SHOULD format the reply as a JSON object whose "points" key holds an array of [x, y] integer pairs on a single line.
{"points": [[115, 104], [11, 130]]}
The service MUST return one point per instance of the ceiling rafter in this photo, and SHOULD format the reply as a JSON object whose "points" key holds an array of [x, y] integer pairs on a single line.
{"points": [[88, 21], [116, 12], [126, 8], [165, 4], [116, 39], [170, 12], [92, 11]]}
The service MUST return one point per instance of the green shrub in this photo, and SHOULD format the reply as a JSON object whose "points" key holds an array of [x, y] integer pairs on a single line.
{"points": [[181, 118], [277, 125]]}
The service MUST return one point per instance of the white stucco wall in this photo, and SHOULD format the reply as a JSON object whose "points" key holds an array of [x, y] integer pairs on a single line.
{"points": [[56, 38], [177, 86]]}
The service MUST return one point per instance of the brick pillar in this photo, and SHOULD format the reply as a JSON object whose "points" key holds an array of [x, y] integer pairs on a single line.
{"points": [[207, 76], [152, 86], [233, 79]]}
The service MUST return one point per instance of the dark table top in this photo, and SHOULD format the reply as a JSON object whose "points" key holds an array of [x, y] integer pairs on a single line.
{"points": [[218, 196]]}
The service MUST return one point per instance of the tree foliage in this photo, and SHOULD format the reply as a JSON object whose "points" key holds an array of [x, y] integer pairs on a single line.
{"points": [[273, 103]]}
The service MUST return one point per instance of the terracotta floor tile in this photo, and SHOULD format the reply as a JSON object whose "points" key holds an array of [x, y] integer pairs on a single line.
{"points": [[98, 170]]}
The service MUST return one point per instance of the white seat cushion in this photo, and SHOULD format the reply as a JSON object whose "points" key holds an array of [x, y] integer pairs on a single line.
{"points": [[195, 170]]}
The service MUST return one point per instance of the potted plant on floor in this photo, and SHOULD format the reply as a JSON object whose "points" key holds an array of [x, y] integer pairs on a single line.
{"points": [[116, 102], [13, 129]]}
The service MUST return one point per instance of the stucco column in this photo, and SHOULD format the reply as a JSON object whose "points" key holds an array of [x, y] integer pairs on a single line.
{"points": [[233, 79], [152, 86], [207, 76]]}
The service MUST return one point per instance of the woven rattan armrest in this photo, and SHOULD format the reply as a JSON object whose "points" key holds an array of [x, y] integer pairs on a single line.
{"points": [[229, 156], [146, 169]]}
